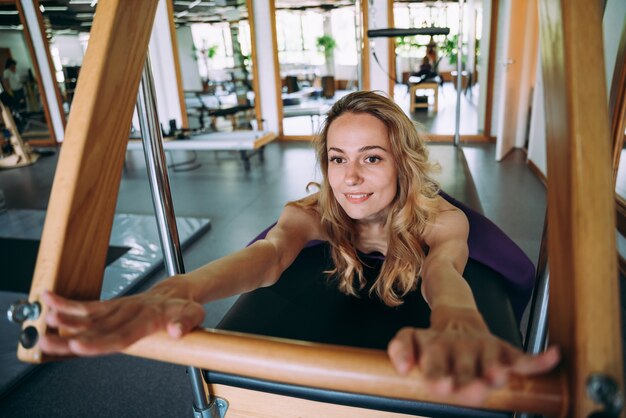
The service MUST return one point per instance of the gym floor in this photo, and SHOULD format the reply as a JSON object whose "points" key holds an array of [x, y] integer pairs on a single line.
{"points": [[239, 205]]}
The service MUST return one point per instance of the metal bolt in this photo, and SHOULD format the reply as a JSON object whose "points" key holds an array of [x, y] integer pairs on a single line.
{"points": [[605, 391], [29, 337], [22, 311]]}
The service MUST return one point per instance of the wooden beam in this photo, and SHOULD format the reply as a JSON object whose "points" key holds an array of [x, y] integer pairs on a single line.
{"points": [[391, 51], [324, 366], [365, 47], [82, 203], [258, 112], [176, 57], [491, 66], [584, 307], [31, 48], [617, 103], [277, 79]]}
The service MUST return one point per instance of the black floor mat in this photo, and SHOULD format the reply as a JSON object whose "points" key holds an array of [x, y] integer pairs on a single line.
{"points": [[18, 262]]}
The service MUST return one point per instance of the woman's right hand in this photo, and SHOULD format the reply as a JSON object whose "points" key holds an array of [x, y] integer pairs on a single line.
{"points": [[102, 327]]}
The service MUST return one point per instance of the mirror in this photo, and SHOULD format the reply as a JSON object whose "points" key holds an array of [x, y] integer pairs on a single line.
{"points": [[20, 78], [318, 60], [620, 183], [426, 66], [614, 22], [215, 53], [68, 30]]}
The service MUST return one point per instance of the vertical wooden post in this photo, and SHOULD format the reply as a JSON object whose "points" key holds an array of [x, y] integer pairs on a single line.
{"points": [[584, 306], [78, 224]]}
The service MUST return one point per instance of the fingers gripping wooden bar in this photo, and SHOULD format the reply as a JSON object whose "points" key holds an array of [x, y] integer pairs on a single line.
{"points": [[339, 368], [80, 213]]}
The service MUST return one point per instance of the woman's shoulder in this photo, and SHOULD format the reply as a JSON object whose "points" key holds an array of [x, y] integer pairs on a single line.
{"points": [[448, 221], [303, 217]]}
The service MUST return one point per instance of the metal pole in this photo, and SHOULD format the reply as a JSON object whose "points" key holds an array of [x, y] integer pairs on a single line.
{"points": [[164, 208], [358, 31], [459, 69], [537, 330]]}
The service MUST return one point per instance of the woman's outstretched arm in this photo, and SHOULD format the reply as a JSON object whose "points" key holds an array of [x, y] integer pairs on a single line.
{"points": [[175, 304], [458, 354]]}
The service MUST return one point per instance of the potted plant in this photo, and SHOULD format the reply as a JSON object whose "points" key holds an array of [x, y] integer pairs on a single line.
{"points": [[206, 53], [326, 44]]}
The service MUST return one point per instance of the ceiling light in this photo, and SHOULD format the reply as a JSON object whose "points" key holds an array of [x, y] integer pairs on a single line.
{"points": [[85, 23], [53, 8], [183, 13], [8, 12], [84, 15]]}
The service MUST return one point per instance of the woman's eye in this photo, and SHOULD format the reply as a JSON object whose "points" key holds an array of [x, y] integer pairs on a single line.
{"points": [[373, 159], [336, 160]]}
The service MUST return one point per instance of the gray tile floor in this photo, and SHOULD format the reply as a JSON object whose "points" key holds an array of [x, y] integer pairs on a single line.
{"points": [[240, 205]]}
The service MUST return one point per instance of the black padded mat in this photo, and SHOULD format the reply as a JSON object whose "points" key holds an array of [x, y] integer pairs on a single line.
{"points": [[18, 262], [305, 305]]}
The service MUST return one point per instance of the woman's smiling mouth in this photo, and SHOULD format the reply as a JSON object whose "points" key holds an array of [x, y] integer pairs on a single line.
{"points": [[357, 197]]}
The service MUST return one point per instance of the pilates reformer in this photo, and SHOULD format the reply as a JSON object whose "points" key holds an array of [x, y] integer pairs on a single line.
{"points": [[21, 155], [204, 109], [581, 243], [247, 143]]}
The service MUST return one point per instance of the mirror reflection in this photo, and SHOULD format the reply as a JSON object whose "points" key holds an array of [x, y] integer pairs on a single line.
{"points": [[426, 65], [620, 184], [318, 59], [21, 92], [215, 49], [68, 28]]}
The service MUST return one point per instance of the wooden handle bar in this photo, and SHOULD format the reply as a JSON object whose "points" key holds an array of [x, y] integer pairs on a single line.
{"points": [[347, 369], [75, 238]]}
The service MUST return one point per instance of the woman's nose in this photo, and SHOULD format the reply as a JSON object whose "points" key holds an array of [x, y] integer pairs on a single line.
{"points": [[353, 174]]}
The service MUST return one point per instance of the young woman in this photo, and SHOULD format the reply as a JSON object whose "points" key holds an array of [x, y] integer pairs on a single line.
{"points": [[376, 196]]}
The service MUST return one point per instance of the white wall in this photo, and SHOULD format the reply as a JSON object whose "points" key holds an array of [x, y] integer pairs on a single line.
{"points": [[613, 24], [500, 57], [163, 71], [537, 129], [70, 50], [265, 64], [379, 78], [188, 65], [14, 40]]}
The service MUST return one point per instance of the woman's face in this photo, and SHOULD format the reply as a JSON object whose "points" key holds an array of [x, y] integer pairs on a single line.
{"points": [[361, 169]]}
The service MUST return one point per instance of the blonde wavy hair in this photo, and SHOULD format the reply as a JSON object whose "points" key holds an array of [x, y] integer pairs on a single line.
{"points": [[411, 210]]}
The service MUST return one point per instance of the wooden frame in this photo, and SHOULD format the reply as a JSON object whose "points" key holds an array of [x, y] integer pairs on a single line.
{"points": [[581, 226], [255, 72], [617, 113], [95, 143], [255, 68], [486, 136], [391, 49], [583, 316], [278, 83], [52, 141], [177, 70]]}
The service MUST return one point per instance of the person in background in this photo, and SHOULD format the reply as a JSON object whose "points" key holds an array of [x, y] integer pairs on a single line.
{"points": [[12, 84]]}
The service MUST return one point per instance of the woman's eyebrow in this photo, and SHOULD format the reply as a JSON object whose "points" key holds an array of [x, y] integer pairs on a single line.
{"points": [[362, 149], [371, 147]]}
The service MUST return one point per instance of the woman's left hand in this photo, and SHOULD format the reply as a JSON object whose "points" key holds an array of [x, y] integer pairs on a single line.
{"points": [[459, 357]]}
